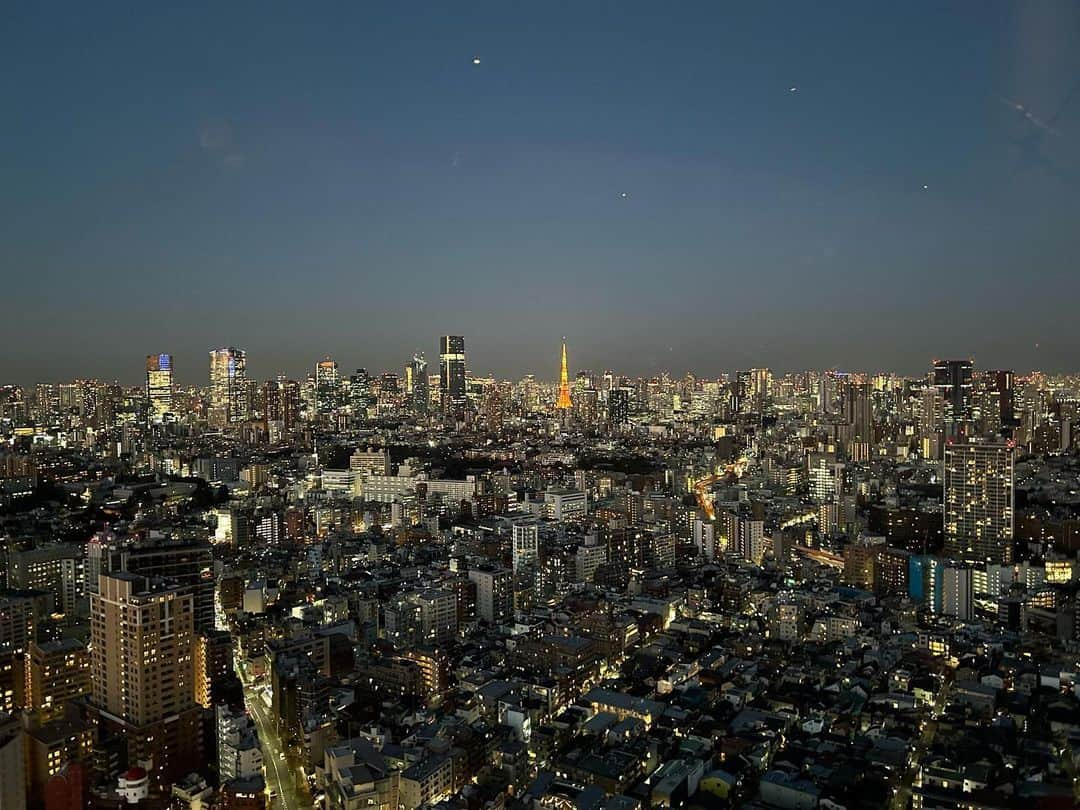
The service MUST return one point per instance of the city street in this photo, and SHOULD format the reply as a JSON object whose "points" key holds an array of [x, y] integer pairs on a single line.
{"points": [[284, 781]]}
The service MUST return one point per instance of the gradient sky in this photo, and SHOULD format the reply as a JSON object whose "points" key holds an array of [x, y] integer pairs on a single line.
{"points": [[303, 179]]}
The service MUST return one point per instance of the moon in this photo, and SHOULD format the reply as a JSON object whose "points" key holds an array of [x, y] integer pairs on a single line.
{"points": [[476, 60]]}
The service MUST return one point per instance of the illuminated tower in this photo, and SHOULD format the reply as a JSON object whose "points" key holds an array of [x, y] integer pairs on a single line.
{"points": [[159, 386], [327, 386], [228, 386], [416, 383], [979, 495], [563, 403], [452, 371]]}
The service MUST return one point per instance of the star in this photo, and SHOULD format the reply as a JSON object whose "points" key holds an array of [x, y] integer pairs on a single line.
{"points": [[793, 89], [624, 195], [925, 187], [476, 60]]}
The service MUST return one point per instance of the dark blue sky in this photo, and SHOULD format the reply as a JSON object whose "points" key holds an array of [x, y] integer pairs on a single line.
{"points": [[304, 179]]}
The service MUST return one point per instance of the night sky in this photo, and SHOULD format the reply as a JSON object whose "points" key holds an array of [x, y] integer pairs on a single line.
{"points": [[310, 179]]}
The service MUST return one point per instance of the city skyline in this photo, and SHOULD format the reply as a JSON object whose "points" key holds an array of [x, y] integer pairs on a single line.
{"points": [[786, 188], [494, 406], [187, 375]]}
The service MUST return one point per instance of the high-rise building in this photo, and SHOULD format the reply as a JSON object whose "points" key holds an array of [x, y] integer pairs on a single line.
{"points": [[526, 544], [55, 672], [360, 397], [213, 653], [228, 387], [950, 589], [740, 392], [327, 386], [619, 406], [978, 498], [187, 564], [858, 411], [494, 594], [563, 403], [953, 379], [1004, 383], [416, 384], [452, 371], [281, 398], [159, 386], [141, 641]]}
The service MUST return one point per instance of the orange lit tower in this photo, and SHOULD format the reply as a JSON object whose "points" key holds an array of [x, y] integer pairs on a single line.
{"points": [[563, 403]]}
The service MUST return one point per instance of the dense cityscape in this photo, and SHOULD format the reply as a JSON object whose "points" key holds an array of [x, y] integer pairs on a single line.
{"points": [[428, 588], [605, 405]]}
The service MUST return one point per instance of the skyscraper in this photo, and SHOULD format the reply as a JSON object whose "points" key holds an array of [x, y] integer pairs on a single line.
{"points": [[858, 410], [228, 386], [416, 383], [953, 379], [452, 371], [360, 398], [1004, 382], [563, 403], [738, 401], [282, 402], [142, 636], [327, 386], [978, 500], [619, 406], [159, 386]]}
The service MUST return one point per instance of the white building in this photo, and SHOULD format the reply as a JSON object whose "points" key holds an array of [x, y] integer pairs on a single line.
{"points": [[565, 504], [526, 544]]}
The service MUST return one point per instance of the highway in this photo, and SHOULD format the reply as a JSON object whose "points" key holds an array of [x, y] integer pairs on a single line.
{"points": [[702, 487]]}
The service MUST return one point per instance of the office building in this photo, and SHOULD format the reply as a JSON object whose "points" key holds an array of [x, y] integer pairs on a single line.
{"points": [[619, 406], [858, 411], [281, 402], [416, 384], [228, 387], [953, 379], [452, 371], [327, 387], [159, 386]]}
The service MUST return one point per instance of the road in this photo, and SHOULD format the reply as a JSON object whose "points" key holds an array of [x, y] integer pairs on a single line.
{"points": [[283, 779], [902, 797], [702, 487]]}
